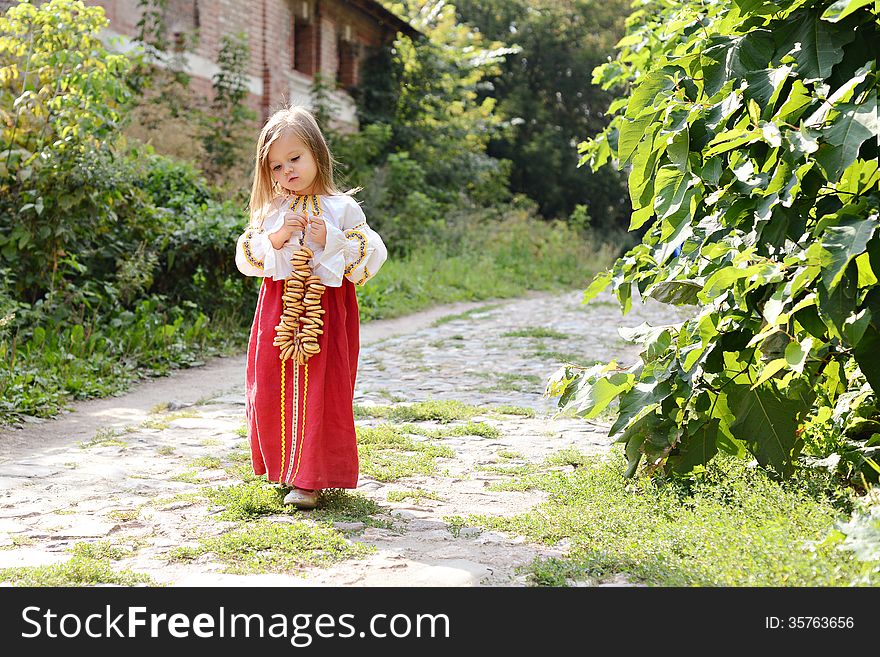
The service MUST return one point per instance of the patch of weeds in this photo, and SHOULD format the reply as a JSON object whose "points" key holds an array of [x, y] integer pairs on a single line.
{"points": [[242, 431], [188, 477], [387, 453], [730, 525], [207, 462], [280, 547], [104, 437], [337, 505], [509, 454], [536, 333], [564, 357], [570, 456], [454, 524], [64, 512], [249, 500], [465, 315], [124, 515], [18, 541], [88, 565], [518, 382], [469, 429], [212, 442], [166, 450], [517, 484], [165, 421], [104, 550], [510, 470], [72, 465], [390, 396], [507, 409], [180, 497], [415, 494], [440, 410], [159, 408]]}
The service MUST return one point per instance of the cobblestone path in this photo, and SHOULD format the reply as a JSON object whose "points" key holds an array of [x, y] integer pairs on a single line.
{"points": [[126, 477]]}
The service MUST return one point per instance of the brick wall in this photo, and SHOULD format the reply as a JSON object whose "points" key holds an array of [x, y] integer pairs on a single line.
{"points": [[271, 39]]}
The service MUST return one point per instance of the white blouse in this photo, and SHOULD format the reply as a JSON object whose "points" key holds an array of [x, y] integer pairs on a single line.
{"points": [[353, 249]]}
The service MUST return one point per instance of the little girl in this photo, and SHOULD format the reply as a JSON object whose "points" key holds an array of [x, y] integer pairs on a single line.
{"points": [[312, 245]]}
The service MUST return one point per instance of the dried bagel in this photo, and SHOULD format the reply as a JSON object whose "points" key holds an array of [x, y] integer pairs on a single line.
{"points": [[300, 324]]}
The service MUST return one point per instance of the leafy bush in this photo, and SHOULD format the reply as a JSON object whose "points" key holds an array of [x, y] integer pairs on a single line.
{"points": [[752, 148]]}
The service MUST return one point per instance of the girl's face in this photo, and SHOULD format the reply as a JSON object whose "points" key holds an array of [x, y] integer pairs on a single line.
{"points": [[292, 165]]}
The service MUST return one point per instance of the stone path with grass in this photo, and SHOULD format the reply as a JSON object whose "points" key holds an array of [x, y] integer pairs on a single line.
{"points": [[448, 408]]}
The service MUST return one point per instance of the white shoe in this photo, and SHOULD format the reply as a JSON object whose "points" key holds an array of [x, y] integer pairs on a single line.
{"points": [[302, 499]]}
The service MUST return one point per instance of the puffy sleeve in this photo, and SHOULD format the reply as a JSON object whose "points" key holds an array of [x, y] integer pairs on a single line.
{"points": [[354, 251], [254, 254]]}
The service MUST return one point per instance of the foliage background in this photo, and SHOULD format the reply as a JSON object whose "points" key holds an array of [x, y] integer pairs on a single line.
{"points": [[750, 137], [116, 260]]}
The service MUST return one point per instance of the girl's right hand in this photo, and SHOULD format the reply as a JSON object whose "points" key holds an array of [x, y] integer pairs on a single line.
{"points": [[294, 223]]}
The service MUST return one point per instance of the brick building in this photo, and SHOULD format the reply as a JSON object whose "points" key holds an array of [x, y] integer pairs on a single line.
{"points": [[290, 40]]}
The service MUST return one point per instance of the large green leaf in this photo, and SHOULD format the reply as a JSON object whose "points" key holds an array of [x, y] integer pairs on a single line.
{"points": [[768, 422], [697, 447], [631, 133], [845, 136], [844, 242], [671, 185], [641, 399], [765, 85], [678, 292], [866, 350], [735, 56], [646, 91], [594, 396], [843, 8], [816, 45]]}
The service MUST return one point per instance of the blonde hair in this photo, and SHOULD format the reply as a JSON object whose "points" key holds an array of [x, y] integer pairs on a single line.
{"points": [[300, 122]]}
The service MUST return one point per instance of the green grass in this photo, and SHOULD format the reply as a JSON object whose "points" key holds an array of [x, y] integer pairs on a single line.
{"points": [[509, 454], [90, 564], [124, 515], [414, 494], [263, 546], [208, 462], [468, 429], [564, 357], [733, 527], [518, 253], [536, 333], [386, 453], [436, 409], [166, 450], [338, 505], [465, 315], [104, 437], [519, 382], [513, 410], [250, 500], [187, 477]]}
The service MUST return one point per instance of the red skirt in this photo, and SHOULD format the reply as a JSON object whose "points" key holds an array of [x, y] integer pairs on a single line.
{"points": [[300, 417]]}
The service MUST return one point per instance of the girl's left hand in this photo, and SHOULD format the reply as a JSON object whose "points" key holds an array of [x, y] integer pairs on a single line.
{"points": [[317, 231]]}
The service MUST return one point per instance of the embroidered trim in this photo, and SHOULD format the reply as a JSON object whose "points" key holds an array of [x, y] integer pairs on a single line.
{"points": [[246, 247], [362, 249], [283, 423], [294, 452], [301, 204], [303, 438], [366, 277]]}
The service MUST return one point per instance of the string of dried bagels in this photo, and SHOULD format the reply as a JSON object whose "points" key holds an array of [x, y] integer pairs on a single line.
{"points": [[301, 323]]}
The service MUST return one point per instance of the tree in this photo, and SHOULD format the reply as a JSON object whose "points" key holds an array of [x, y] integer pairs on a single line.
{"points": [[548, 107], [751, 137]]}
